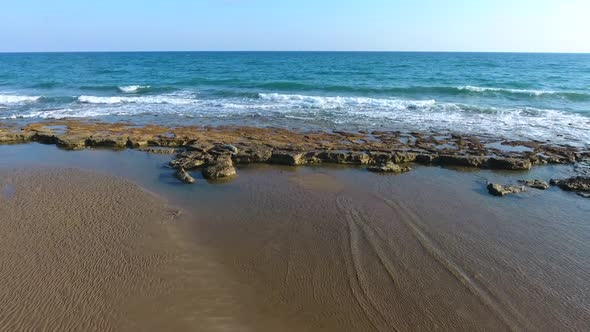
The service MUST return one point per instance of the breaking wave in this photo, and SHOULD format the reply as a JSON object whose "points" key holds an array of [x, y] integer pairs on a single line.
{"points": [[160, 99], [134, 88], [14, 99]]}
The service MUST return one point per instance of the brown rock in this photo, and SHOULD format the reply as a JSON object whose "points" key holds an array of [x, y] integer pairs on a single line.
{"points": [[537, 184], [287, 158], [388, 167], [510, 164], [183, 176], [219, 168], [500, 190], [459, 160], [578, 184]]}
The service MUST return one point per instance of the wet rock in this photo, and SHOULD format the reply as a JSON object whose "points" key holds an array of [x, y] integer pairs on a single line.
{"points": [[537, 184], [160, 150], [378, 157], [200, 147], [183, 176], [578, 184], [136, 142], [510, 163], [403, 157], [585, 195], [340, 157], [253, 154], [219, 168], [459, 160], [388, 167], [71, 142], [189, 160], [110, 141], [224, 149], [425, 158], [287, 158], [500, 190], [45, 138]]}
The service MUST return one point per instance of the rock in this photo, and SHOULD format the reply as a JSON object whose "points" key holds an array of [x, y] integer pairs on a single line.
{"points": [[200, 147], [183, 176], [255, 154], [537, 184], [459, 160], [71, 142], [224, 149], [403, 157], [341, 157], [189, 160], [388, 167], [500, 190], [45, 138], [578, 183], [585, 195], [160, 150], [136, 142], [425, 158], [219, 168], [287, 158], [110, 141], [378, 157], [510, 164]]}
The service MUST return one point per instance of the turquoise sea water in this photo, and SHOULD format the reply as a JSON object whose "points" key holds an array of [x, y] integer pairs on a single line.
{"points": [[532, 96]]}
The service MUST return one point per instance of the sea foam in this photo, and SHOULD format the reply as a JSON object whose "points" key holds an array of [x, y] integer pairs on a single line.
{"points": [[515, 91], [134, 88], [14, 99], [161, 99]]}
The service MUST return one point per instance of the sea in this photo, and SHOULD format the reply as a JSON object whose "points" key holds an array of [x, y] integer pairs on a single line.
{"points": [[544, 97]]}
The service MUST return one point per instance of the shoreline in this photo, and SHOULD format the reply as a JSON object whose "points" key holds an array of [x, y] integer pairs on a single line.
{"points": [[216, 151]]}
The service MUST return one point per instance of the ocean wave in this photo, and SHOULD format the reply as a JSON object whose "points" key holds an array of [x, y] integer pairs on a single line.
{"points": [[515, 91], [15, 99], [134, 88], [322, 112], [160, 99], [342, 102]]}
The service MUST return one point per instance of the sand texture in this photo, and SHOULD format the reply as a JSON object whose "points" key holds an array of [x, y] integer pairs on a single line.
{"points": [[76, 248]]}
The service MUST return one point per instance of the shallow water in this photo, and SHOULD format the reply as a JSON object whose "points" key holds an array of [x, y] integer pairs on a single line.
{"points": [[342, 249]]}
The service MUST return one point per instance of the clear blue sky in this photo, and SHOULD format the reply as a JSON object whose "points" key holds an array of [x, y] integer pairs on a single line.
{"points": [[395, 25]]}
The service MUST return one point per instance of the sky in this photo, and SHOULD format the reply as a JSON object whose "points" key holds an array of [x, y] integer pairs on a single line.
{"points": [[296, 25]]}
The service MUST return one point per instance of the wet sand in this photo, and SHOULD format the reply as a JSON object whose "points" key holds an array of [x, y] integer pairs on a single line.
{"points": [[342, 249]]}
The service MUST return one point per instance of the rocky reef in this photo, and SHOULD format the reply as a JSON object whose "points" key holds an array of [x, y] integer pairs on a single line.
{"points": [[215, 151]]}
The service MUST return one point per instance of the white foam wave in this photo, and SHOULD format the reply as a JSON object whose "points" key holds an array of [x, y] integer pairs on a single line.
{"points": [[329, 112], [343, 102], [161, 99], [14, 99], [133, 88], [518, 91]]}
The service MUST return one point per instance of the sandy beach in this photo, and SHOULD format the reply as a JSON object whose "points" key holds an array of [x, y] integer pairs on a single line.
{"points": [[322, 248]]}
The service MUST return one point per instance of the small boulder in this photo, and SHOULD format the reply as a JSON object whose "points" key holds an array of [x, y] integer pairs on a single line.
{"points": [[512, 164], [537, 184], [183, 176], [388, 167], [578, 183], [219, 168], [287, 158], [500, 190]]}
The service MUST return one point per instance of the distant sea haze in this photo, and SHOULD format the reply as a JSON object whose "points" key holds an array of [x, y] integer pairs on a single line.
{"points": [[544, 97]]}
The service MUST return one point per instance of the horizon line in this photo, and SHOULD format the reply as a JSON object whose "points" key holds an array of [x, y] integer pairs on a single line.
{"points": [[291, 51]]}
